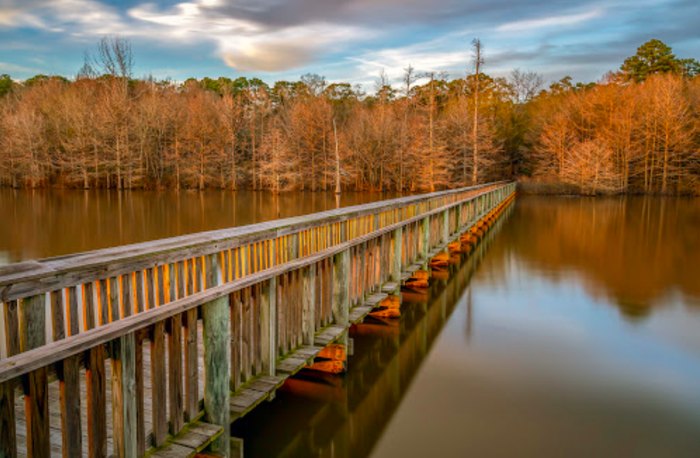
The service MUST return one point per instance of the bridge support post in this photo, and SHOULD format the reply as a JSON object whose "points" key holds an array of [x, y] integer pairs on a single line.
{"points": [[458, 217], [124, 409], [32, 334], [425, 245], [217, 359], [445, 226], [398, 246], [268, 318], [308, 309], [341, 290]]}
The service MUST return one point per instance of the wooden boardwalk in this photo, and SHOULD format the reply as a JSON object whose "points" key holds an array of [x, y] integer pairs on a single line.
{"points": [[157, 347]]}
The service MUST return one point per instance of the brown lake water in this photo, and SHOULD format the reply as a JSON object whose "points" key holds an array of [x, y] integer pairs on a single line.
{"points": [[574, 330]]}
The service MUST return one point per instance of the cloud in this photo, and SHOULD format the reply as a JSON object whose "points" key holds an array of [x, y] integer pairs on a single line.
{"points": [[7, 67], [352, 39], [244, 43], [549, 21], [270, 57]]}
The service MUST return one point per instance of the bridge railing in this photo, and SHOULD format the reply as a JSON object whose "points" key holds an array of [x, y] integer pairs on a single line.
{"points": [[232, 301]]}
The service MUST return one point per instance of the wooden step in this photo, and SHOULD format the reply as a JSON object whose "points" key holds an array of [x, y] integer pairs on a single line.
{"points": [[328, 335], [191, 440], [390, 287], [358, 314], [375, 299]]}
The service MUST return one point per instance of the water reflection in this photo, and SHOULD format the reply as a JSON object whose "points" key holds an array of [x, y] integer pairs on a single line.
{"points": [[637, 252], [318, 415], [543, 357], [44, 223]]}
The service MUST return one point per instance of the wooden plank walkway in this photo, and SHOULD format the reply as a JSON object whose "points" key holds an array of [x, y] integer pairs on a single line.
{"points": [[195, 437], [247, 295]]}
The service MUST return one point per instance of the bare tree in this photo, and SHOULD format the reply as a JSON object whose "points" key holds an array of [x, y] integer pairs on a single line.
{"points": [[525, 84], [478, 62]]}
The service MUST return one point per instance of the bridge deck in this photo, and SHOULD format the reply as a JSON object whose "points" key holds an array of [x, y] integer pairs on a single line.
{"points": [[191, 317]]}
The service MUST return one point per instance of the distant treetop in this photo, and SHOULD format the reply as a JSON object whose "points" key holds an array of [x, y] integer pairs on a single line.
{"points": [[653, 57]]}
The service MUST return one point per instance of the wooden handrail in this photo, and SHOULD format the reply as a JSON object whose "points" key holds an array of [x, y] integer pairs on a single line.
{"points": [[37, 276], [26, 362]]}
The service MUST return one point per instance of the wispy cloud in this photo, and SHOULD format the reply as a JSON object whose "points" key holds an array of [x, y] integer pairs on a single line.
{"points": [[7, 67], [549, 21]]}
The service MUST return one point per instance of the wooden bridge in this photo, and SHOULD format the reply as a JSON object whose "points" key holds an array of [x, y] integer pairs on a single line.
{"points": [[155, 348]]}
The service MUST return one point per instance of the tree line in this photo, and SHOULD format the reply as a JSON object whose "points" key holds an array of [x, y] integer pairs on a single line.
{"points": [[634, 131]]}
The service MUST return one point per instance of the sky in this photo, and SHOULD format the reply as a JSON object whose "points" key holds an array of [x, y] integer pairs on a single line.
{"points": [[343, 40]]}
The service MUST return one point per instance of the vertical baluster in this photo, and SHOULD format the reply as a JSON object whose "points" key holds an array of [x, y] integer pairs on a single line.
{"points": [[96, 402], [68, 375], [309, 298], [128, 295], [425, 242], [103, 301], [445, 226], [140, 292], [397, 267], [175, 374], [191, 366], [114, 296], [236, 329], [151, 288], [95, 378], [139, 393], [158, 382]]}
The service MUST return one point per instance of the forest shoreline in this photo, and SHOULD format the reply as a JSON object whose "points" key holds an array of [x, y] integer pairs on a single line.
{"points": [[525, 186]]}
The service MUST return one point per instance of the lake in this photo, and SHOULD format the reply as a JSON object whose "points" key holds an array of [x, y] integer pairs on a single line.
{"points": [[573, 330]]}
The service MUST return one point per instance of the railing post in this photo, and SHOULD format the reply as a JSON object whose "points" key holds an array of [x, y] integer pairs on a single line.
{"points": [[398, 243], [445, 226], [268, 319], [309, 301], [8, 437], [32, 326], [217, 359], [425, 232], [124, 413], [458, 218], [341, 288]]}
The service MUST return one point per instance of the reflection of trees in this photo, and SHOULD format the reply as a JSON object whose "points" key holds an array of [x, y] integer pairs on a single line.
{"points": [[633, 250], [45, 223]]}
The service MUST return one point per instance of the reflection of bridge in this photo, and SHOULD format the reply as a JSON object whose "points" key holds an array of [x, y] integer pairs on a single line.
{"points": [[158, 346], [346, 415]]}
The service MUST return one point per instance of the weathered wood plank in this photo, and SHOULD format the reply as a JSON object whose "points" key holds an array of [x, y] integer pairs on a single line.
{"points": [[191, 366], [217, 358], [173, 451], [268, 323], [8, 445], [175, 392], [96, 402], [139, 389], [124, 396], [158, 383], [71, 428], [32, 335]]}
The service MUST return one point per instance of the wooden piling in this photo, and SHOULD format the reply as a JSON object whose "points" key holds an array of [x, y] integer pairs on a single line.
{"points": [[217, 359]]}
